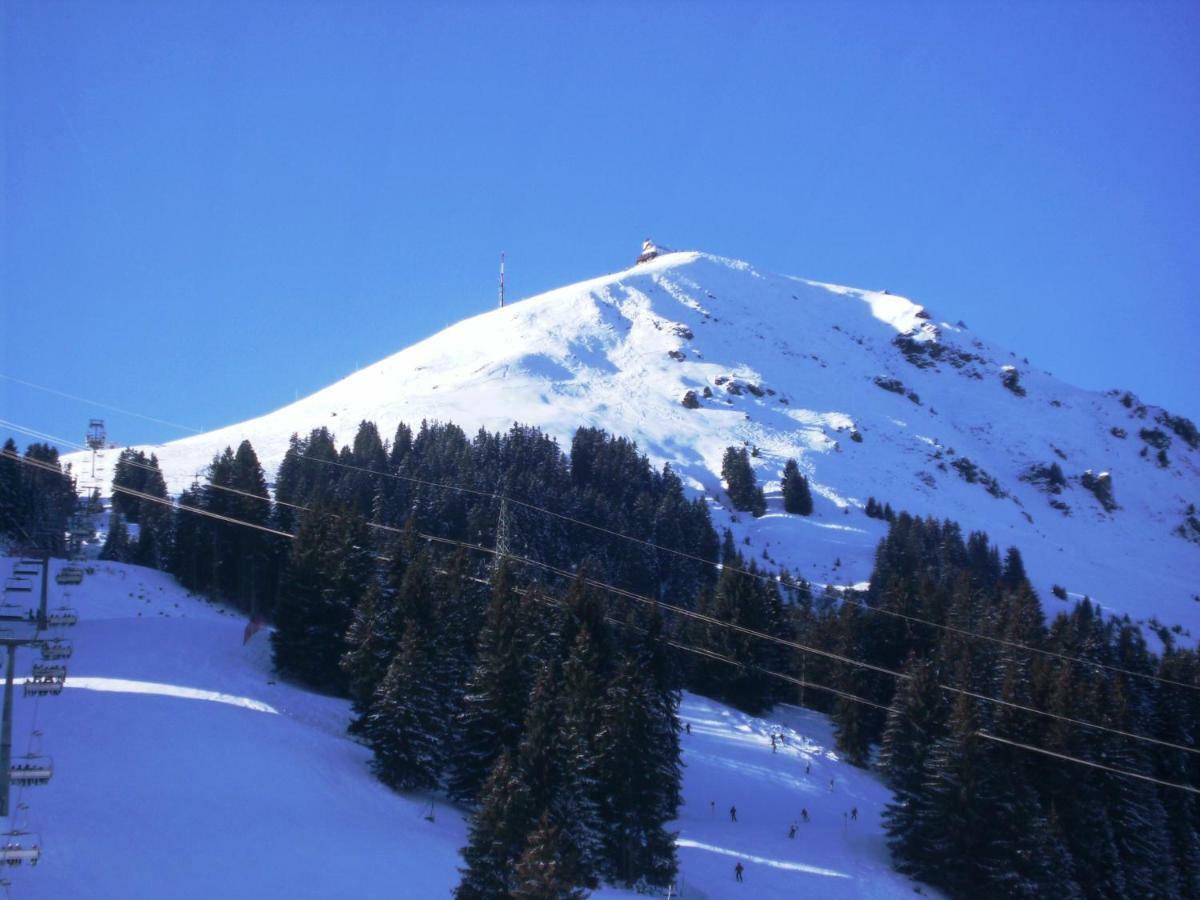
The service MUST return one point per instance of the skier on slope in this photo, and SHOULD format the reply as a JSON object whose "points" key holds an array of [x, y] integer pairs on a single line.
{"points": [[733, 813], [792, 831], [738, 870]]}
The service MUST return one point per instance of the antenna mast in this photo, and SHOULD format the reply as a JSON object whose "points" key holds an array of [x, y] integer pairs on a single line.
{"points": [[501, 279]]}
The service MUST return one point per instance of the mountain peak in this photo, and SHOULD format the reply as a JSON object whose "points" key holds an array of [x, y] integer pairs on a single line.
{"points": [[688, 353]]}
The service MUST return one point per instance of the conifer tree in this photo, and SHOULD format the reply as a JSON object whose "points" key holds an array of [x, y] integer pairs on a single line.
{"points": [[117, 546], [406, 725], [576, 794], [373, 637], [541, 871], [797, 498], [740, 483], [496, 692], [855, 724], [498, 834], [129, 472], [328, 572], [191, 547], [743, 598], [914, 722], [48, 499], [12, 505], [153, 547], [457, 617], [632, 764], [1178, 714], [358, 489]]}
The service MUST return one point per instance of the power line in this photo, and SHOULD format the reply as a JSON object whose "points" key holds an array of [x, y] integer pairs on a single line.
{"points": [[125, 412], [678, 610], [761, 576], [1087, 762]]}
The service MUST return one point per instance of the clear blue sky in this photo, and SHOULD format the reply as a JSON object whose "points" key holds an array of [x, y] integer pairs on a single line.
{"points": [[209, 207]]}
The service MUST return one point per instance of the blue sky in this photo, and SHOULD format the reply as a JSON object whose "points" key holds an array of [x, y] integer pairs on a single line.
{"points": [[211, 207]]}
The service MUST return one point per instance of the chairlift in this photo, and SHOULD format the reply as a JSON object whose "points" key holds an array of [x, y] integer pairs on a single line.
{"points": [[27, 568], [62, 617], [18, 586], [20, 847], [31, 769], [57, 648], [41, 687], [45, 670], [69, 575]]}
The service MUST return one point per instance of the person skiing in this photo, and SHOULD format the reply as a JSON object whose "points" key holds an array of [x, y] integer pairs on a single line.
{"points": [[804, 814], [792, 831], [774, 749], [688, 727], [854, 814], [808, 769], [733, 813], [738, 870]]}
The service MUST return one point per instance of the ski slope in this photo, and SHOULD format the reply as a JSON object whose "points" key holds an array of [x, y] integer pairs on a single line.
{"points": [[184, 769], [796, 368]]}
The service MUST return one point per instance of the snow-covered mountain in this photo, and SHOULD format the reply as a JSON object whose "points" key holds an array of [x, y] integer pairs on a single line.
{"points": [[873, 394]]}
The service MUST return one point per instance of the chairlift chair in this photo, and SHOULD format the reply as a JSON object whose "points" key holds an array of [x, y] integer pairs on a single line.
{"points": [[18, 586], [15, 612], [26, 568], [57, 649], [18, 847], [41, 687], [69, 575], [62, 617], [47, 670], [31, 769]]}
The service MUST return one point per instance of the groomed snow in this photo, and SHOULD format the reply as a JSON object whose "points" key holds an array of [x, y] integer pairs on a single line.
{"points": [[183, 769]]}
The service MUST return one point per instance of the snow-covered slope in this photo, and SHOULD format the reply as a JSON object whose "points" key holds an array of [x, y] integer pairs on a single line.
{"points": [[182, 769], [873, 394]]}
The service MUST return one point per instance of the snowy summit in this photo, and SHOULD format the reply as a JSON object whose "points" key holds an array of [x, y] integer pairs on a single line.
{"points": [[873, 395]]}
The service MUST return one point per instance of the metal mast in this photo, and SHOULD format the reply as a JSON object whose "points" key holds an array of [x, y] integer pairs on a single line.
{"points": [[501, 279]]}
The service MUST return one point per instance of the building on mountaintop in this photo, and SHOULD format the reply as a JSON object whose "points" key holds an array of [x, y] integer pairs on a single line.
{"points": [[650, 250]]}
